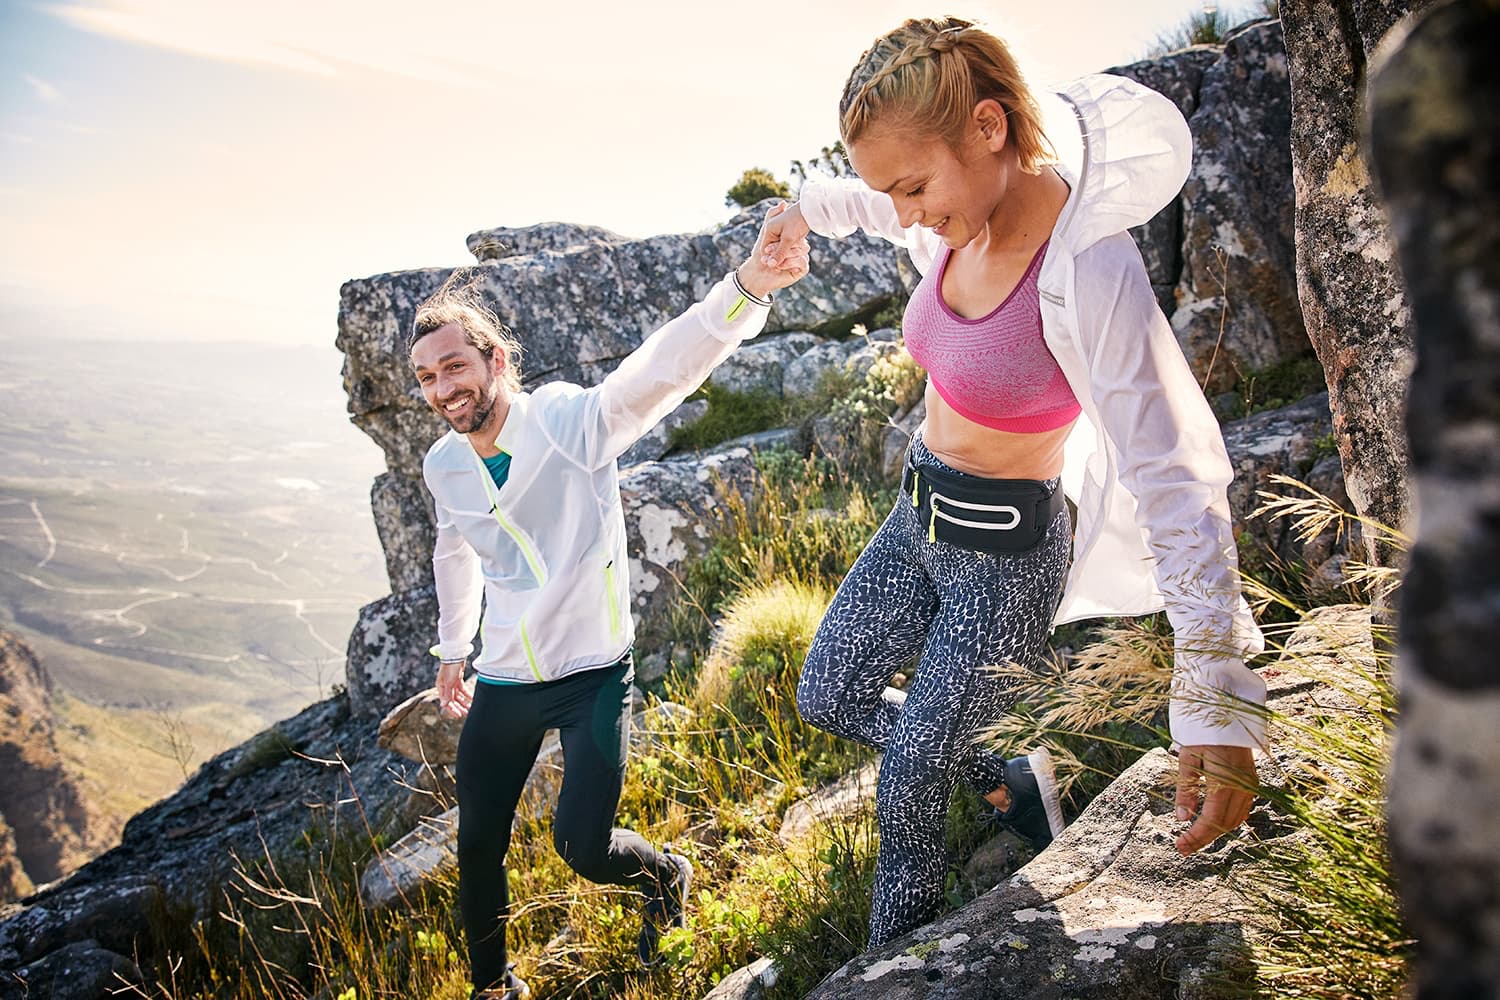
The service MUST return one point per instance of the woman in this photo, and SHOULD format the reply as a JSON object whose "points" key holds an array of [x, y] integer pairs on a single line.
{"points": [[1048, 360]]}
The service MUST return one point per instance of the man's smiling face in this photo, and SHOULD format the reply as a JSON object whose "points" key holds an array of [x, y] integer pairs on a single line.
{"points": [[460, 384]]}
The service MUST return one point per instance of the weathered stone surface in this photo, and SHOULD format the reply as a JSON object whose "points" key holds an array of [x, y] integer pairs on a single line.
{"points": [[51, 828], [748, 983], [318, 770], [405, 523], [1110, 910], [1434, 122], [497, 244], [854, 356], [388, 659], [898, 437], [419, 730], [79, 971], [1177, 76], [759, 365], [666, 506], [852, 792], [1353, 303], [657, 441], [1237, 233], [578, 312], [1292, 441], [427, 852]]}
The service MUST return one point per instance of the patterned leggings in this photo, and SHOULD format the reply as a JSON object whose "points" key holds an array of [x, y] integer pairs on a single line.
{"points": [[961, 610]]}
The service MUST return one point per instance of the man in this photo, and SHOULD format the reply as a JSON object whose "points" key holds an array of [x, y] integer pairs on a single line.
{"points": [[527, 496]]}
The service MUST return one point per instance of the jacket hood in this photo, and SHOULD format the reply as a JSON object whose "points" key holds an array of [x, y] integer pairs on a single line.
{"points": [[1125, 149]]}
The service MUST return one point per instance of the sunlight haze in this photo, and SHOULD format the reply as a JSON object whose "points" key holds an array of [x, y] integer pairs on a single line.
{"points": [[215, 170]]}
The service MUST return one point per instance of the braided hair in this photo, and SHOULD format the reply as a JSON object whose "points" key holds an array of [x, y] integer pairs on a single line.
{"points": [[927, 75]]}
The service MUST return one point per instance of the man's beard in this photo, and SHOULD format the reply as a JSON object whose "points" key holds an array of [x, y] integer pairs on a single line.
{"points": [[484, 404]]}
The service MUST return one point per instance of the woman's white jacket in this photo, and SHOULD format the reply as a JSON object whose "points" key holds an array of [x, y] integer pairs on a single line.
{"points": [[547, 550], [1145, 463]]}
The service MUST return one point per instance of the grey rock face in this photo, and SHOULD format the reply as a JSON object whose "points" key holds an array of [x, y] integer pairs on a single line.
{"points": [[759, 365], [317, 770], [844, 797], [577, 313], [1292, 441], [657, 441], [1353, 303], [1434, 117], [79, 971], [388, 659], [1237, 238], [1178, 77], [749, 983], [419, 730], [667, 505], [497, 244], [405, 523]]}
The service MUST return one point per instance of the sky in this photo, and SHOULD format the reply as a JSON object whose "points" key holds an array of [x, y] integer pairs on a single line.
{"points": [[215, 169]]}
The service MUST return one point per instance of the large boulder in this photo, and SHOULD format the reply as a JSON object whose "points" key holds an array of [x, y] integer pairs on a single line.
{"points": [[578, 311], [277, 795], [668, 508], [1353, 302], [388, 658]]}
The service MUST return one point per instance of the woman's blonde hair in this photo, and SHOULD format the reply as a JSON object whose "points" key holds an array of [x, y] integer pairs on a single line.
{"points": [[927, 76], [458, 302]]}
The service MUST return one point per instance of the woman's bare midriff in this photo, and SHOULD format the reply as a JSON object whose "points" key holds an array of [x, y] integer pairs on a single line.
{"points": [[984, 451]]}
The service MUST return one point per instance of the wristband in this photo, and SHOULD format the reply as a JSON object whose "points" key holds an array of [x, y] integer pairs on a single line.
{"points": [[744, 297]]}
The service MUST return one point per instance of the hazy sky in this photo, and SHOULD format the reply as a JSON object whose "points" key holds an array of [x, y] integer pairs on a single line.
{"points": [[216, 168]]}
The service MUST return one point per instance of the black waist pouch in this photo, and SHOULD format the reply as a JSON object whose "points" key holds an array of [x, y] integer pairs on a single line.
{"points": [[999, 516]]}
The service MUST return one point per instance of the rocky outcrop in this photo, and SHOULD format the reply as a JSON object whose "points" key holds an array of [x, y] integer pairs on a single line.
{"points": [[1221, 255], [48, 828], [1294, 441], [1110, 909], [1237, 238], [278, 794], [1353, 303], [1434, 118], [388, 658]]}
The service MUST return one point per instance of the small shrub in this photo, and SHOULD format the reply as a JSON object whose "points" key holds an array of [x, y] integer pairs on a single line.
{"points": [[755, 185], [730, 415]]}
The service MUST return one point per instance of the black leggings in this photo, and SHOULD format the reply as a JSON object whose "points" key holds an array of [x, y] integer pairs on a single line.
{"points": [[501, 737]]}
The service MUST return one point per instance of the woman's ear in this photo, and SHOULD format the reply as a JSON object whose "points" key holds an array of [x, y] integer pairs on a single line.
{"points": [[990, 119]]}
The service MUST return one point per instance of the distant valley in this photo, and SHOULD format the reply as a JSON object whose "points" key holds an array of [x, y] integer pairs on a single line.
{"points": [[185, 541]]}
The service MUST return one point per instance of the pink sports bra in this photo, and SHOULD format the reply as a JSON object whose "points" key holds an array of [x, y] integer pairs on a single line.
{"points": [[996, 370]]}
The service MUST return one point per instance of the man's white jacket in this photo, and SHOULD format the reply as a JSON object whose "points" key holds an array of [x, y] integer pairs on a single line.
{"points": [[1145, 463], [547, 550]]}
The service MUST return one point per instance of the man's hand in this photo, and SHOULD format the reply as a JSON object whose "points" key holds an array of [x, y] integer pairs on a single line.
{"points": [[780, 256], [1229, 775], [453, 696]]}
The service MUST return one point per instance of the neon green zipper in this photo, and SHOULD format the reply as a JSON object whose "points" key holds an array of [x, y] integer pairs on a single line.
{"points": [[532, 561], [614, 604]]}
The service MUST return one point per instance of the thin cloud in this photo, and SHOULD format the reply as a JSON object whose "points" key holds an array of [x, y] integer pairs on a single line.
{"points": [[43, 89], [288, 36], [192, 31]]}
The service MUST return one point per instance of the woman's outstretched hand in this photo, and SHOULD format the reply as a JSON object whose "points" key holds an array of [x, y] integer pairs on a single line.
{"points": [[780, 257], [1228, 777]]}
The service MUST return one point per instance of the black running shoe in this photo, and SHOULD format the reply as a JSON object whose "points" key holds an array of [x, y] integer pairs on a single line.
{"points": [[664, 910], [515, 988], [1035, 811]]}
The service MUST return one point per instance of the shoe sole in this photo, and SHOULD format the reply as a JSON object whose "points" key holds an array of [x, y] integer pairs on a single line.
{"points": [[1046, 784]]}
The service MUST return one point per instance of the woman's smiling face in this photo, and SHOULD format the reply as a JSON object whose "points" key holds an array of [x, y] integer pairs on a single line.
{"points": [[953, 192]]}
